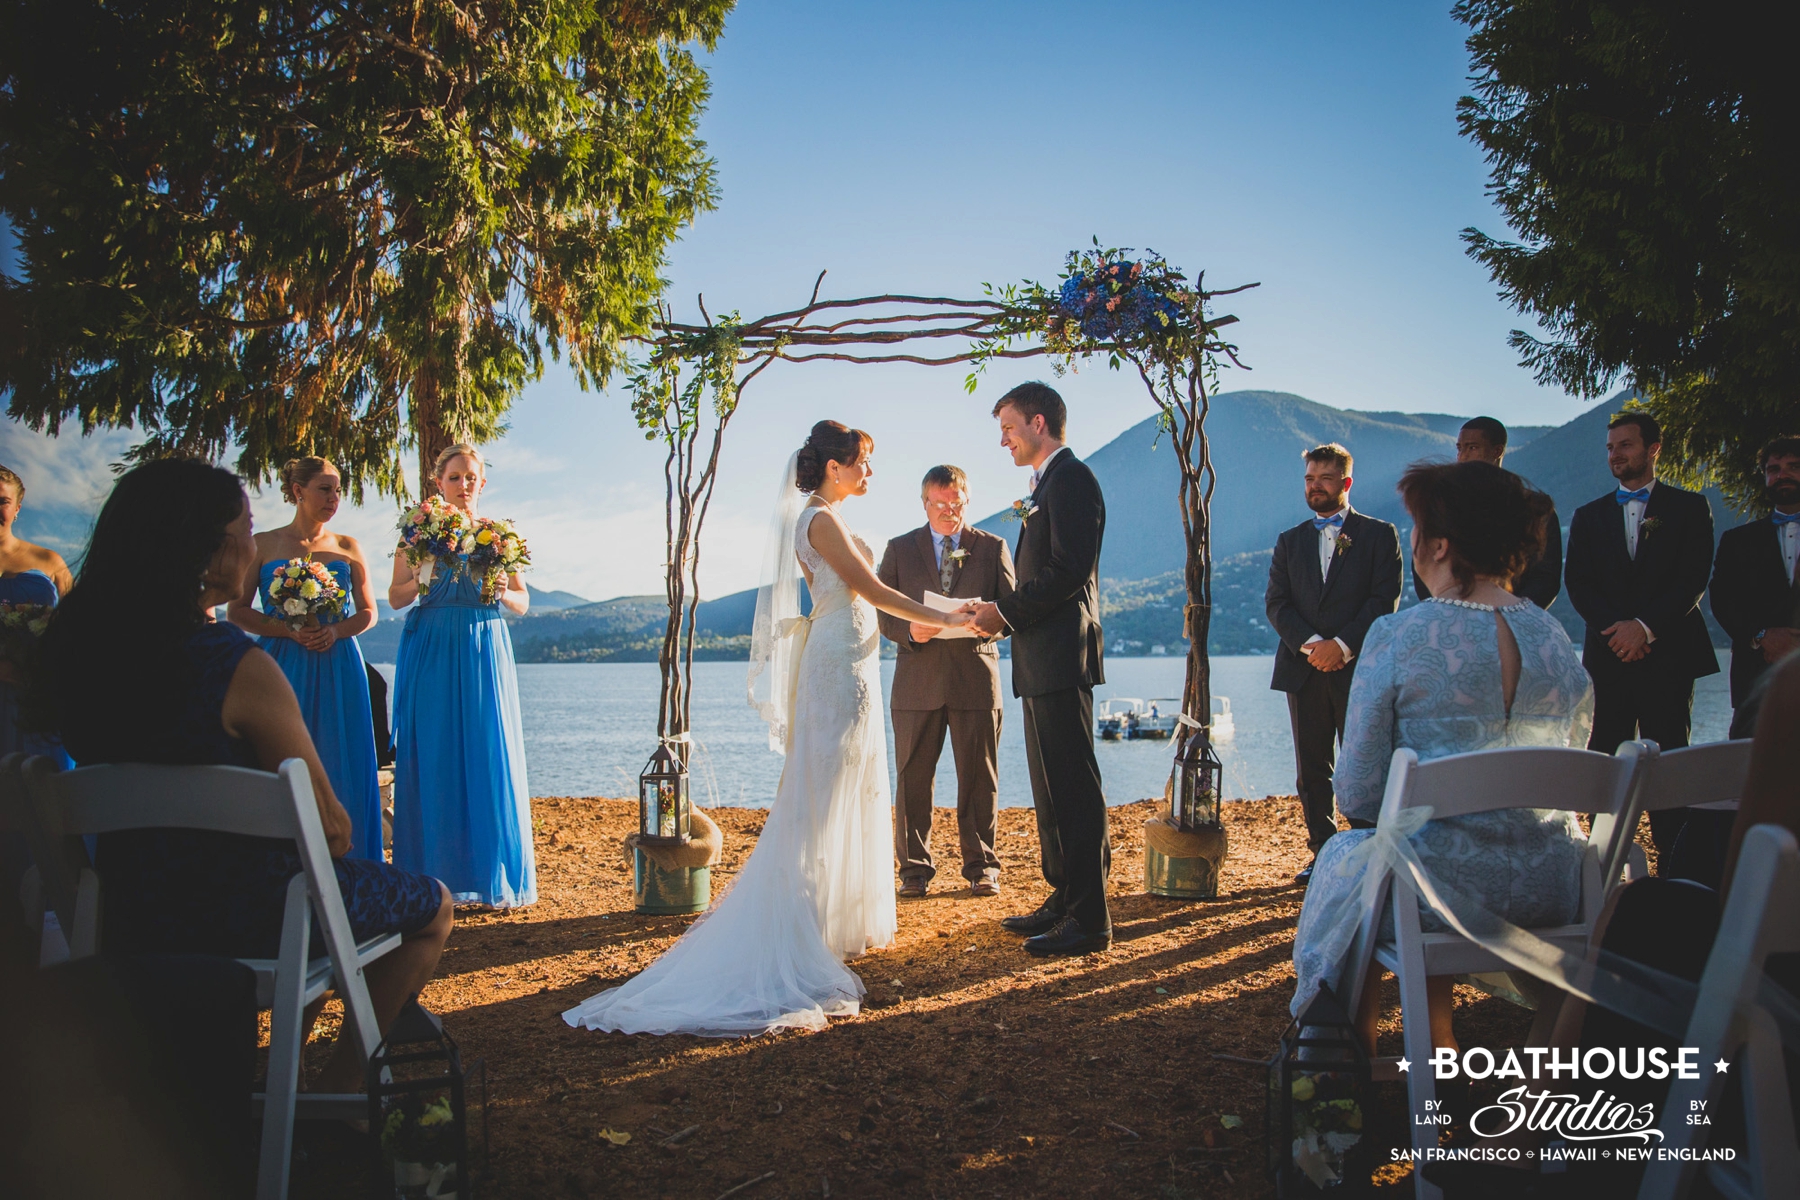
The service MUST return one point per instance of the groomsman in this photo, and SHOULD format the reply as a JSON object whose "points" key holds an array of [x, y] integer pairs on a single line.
{"points": [[1754, 595], [1483, 439], [946, 684], [1330, 577], [1638, 563]]}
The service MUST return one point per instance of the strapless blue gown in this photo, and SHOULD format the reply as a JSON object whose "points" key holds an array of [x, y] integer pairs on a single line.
{"points": [[26, 587], [333, 690], [461, 809]]}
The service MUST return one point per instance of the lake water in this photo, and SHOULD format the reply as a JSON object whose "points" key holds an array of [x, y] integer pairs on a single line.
{"points": [[590, 726]]}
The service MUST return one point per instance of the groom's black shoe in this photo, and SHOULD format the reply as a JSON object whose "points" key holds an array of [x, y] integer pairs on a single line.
{"points": [[1041, 921], [1068, 937]]}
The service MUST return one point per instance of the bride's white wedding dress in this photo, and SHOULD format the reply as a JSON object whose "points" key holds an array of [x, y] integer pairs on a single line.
{"points": [[818, 887]]}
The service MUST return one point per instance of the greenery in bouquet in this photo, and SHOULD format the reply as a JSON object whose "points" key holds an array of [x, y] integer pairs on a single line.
{"points": [[499, 549], [1328, 1123], [20, 627], [435, 531], [304, 591], [420, 1129]]}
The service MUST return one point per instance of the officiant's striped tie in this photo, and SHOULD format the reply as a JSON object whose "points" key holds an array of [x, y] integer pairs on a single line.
{"points": [[947, 568]]}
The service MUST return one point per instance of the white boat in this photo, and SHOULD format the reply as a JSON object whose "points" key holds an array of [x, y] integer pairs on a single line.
{"points": [[1157, 718], [1223, 727], [1114, 719]]}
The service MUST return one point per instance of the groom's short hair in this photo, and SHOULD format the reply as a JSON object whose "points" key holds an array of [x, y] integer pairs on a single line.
{"points": [[944, 476], [1037, 399]]}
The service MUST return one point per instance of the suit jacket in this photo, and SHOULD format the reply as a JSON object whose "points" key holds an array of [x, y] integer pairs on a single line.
{"points": [[1751, 593], [1661, 587], [945, 672], [1541, 581], [1054, 612], [1364, 583]]}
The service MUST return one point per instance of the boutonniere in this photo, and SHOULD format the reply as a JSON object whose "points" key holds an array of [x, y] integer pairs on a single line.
{"points": [[1648, 526], [1343, 541], [958, 555], [1020, 510]]}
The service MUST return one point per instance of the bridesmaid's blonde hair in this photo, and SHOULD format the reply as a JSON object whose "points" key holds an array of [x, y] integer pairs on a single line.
{"points": [[450, 452], [8, 475]]}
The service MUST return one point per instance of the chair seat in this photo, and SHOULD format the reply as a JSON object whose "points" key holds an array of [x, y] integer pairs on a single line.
{"points": [[1449, 954], [318, 971]]}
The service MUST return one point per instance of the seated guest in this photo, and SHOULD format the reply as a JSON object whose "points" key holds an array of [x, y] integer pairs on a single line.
{"points": [[1472, 668], [133, 669]]}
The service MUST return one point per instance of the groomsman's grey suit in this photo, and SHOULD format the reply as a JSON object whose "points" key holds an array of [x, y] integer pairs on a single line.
{"points": [[1337, 595], [944, 684]]}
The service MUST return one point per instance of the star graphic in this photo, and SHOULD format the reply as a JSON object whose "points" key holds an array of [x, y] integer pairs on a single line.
{"points": [[1404, 1065], [1721, 1066]]}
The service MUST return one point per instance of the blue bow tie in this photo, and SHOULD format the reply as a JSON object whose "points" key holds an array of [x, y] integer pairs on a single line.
{"points": [[1642, 496], [1782, 518], [1322, 522]]}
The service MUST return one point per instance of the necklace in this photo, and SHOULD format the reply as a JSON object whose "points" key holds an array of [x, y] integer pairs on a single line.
{"points": [[1465, 604]]}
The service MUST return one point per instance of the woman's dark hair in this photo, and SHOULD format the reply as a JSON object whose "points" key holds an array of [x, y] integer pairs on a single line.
{"points": [[1494, 523], [113, 649], [829, 441]]}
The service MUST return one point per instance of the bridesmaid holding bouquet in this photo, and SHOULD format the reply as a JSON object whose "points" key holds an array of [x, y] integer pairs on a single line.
{"points": [[316, 597], [32, 580], [461, 809]]}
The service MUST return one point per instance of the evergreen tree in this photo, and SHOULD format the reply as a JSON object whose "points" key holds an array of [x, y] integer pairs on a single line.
{"points": [[1647, 155], [352, 228]]}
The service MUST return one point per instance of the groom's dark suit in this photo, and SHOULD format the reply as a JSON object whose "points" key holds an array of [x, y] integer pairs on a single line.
{"points": [[1054, 616]]}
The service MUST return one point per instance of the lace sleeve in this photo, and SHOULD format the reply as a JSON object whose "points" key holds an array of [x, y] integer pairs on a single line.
{"points": [[803, 547]]}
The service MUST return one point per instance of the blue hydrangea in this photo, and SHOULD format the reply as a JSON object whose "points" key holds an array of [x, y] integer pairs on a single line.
{"points": [[1085, 297]]}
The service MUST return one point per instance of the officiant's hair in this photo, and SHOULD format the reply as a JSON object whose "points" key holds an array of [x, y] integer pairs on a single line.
{"points": [[944, 476], [829, 441], [1038, 399], [1494, 523], [296, 473]]}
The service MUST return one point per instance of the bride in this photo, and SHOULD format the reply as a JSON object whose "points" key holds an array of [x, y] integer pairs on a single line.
{"points": [[818, 887]]}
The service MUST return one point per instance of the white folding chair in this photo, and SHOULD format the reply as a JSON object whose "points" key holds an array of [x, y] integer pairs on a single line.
{"points": [[106, 799], [1706, 776], [1454, 786], [15, 819], [1761, 918]]}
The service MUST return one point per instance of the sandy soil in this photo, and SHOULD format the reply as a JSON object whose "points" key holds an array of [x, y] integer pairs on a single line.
{"points": [[975, 1070]]}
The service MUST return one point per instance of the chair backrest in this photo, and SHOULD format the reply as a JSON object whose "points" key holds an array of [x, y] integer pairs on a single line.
{"points": [[1706, 774], [1555, 777], [105, 799]]}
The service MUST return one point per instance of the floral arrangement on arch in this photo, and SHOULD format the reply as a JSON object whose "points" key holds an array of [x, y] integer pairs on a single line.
{"points": [[303, 591]]}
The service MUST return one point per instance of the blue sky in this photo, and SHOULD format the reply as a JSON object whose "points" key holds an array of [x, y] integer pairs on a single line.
{"points": [[1308, 146]]}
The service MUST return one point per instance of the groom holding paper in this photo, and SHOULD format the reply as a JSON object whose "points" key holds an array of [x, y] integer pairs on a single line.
{"points": [[946, 680]]}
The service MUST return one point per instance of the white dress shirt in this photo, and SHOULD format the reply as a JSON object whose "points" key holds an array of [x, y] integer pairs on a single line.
{"points": [[1634, 517], [1789, 537], [1328, 537], [944, 543], [1037, 476]]}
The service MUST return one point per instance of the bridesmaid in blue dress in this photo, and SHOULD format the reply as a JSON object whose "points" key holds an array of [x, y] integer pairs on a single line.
{"points": [[461, 809], [29, 574], [323, 662]]}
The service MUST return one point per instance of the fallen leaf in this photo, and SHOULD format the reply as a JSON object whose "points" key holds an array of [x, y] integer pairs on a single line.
{"points": [[1162, 991], [616, 1137], [1231, 1121]]}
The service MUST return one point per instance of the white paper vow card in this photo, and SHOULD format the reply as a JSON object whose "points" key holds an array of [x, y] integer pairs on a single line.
{"points": [[939, 603]]}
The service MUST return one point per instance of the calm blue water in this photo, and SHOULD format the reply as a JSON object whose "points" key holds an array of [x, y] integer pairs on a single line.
{"points": [[590, 726]]}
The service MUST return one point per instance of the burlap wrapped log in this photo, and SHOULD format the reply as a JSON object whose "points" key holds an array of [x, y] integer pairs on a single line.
{"points": [[705, 846], [1210, 844]]}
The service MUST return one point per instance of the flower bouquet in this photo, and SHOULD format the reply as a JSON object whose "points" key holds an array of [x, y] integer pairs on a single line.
{"points": [[20, 627], [433, 531], [303, 591], [420, 1136], [499, 549]]}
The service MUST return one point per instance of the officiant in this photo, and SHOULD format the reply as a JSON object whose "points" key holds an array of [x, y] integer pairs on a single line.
{"points": [[946, 683]]}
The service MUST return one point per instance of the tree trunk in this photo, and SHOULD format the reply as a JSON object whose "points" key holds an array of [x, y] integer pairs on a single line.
{"points": [[430, 433]]}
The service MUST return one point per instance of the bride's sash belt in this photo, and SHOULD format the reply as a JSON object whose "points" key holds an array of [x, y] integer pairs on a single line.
{"points": [[800, 628]]}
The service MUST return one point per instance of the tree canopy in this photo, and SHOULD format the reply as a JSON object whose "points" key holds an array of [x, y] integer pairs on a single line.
{"points": [[1646, 155], [350, 227]]}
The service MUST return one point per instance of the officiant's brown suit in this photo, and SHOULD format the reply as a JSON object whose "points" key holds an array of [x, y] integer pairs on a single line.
{"points": [[946, 684]]}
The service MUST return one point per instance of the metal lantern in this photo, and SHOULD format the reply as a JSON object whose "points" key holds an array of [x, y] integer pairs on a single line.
{"points": [[1319, 1104], [1196, 784], [663, 800], [417, 1111]]}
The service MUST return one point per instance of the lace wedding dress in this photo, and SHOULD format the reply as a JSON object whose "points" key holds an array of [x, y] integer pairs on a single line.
{"points": [[818, 887]]}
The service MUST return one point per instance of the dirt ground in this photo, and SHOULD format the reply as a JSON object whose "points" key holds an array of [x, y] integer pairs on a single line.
{"points": [[974, 1069]]}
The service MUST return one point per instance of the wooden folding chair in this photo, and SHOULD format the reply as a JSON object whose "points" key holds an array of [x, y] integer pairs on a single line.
{"points": [[1459, 785], [1706, 776], [1730, 1024], [105, 799]]}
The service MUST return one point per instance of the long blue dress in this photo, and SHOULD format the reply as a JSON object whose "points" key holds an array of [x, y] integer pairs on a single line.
{"points": [[461, 809], [333, 690], [26, 587]]}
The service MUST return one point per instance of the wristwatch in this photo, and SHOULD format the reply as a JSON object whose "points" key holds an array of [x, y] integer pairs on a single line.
{"points": [[1756, 642]]}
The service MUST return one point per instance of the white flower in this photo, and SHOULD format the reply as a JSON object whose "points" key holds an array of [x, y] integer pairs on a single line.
{"points": [[294, 608]]}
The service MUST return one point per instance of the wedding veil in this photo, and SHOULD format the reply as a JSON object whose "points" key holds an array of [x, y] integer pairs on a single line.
{"points": [[774, 654]]}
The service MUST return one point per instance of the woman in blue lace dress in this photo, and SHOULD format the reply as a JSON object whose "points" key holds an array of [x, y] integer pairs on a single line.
{"points": [[323, 661], [461, 808], [29, 575], [1472, 668], [134, 669]]}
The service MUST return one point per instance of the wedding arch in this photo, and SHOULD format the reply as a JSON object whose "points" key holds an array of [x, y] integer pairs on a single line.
{"points": [[1139, 313]]}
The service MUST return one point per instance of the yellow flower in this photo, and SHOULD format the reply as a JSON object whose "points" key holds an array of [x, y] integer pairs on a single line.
{"points": [[485, 536], [310, 589]]}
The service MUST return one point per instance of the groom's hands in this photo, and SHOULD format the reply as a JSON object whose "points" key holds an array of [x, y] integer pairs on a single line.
{"points": [[922, 633], [987, 620]]}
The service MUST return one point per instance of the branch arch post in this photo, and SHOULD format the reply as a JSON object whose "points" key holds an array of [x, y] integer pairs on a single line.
{"points": [[1141, 313]]}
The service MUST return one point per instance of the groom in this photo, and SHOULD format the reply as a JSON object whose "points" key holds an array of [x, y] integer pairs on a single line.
{"points": [[1053, 615]]}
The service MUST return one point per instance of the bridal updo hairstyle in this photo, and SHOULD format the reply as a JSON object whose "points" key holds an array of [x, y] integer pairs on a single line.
{"points": [[459, 450], [829, 442], [1494, 524], [296, 473]]}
